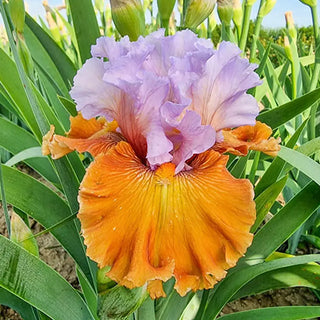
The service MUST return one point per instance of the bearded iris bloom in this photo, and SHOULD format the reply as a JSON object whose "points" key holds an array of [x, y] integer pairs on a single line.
{"points": [[158, 116]]}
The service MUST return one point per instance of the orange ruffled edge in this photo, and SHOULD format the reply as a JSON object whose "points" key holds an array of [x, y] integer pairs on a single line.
{"points": [[149, 226], [240, 140], [95, 136]]}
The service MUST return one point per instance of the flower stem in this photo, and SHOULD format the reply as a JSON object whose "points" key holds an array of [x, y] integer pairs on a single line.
{"points": [[316, 73], [255, 38], [245, 27]]}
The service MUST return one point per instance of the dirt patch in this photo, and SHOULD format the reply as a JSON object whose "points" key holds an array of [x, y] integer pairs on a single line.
{"points": [[274, 298]]}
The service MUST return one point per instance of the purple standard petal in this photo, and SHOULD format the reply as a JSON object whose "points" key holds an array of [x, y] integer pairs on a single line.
{"points": [[110, 48], [220, 94], [188, 135], [93, 96]]}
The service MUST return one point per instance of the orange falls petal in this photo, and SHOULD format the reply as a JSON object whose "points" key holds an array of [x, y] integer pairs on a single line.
{"points": [[150, 226]]}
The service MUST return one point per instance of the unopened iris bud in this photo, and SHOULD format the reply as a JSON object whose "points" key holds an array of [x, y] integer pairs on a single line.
{"points": [[197, 12], [225, 11], [119, 302], [310, 3], [237, 13], [22, 235], [287, 48], [266, 7], [290, 25], [17, 13], [128, 17], [103, 281], [165, 8]]}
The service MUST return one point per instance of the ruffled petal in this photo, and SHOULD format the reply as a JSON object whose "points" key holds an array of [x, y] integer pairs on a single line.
{"points": [[188, 135], [239, 141], [150, 226], [108, 47], [93, 96], [220, 94], [95, 136]]}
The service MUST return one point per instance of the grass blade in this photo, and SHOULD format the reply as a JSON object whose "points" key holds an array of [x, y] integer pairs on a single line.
{"points": [[29, 278]]}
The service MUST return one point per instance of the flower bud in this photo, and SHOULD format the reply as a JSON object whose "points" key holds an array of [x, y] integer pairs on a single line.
{"points": [[197, 12], [250, 2], [225, 11], [165, 8], [119, 302], [266, 7], [54, 29], [17, 13], [290, 25], [128, 17], [310, 3], [237, 13], [22, 235], [103, 281], [287, 48]]}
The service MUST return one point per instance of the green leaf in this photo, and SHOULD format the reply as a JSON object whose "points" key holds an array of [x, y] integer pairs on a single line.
{"points": [[227, 288], [146, 311], [46, 207], [275, 313], [33, 281], [280, 115], [265, 201], [88, 292], [303, 275], [34, 152], [61, 60], [23, 308], [239, 168], [285, 222], [9, 78], [301, 162], [174, 306], [15, 139], [85, 25], [43, 59], [69, 105], [314, 240]]}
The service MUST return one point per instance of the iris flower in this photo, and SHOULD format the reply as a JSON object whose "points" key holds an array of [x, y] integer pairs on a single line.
{"points": [[158, 116]]}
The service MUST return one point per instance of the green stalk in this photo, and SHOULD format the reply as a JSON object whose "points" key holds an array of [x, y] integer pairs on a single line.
{"points": [[245, 27], [294, 81], [226, 32], [254, 167], [4, 202], [184, 10], [255, 38], [165, 24], [316, 73]]}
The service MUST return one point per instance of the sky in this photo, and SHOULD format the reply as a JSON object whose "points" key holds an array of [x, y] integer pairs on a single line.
{"points": [[301, 12]]}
